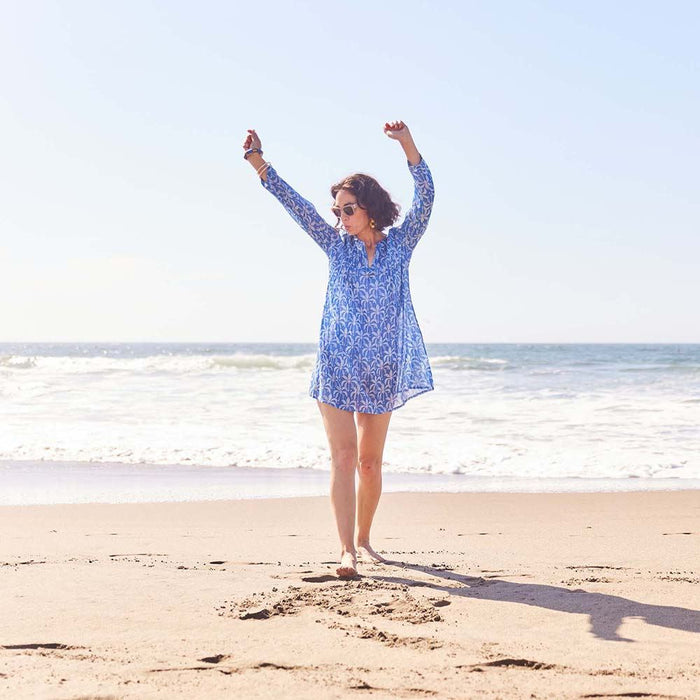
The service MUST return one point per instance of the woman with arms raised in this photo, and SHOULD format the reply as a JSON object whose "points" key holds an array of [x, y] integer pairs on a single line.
{"points": [[371, 357]]}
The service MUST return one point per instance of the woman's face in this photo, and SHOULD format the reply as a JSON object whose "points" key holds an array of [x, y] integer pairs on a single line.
{"points": [[359, 220]]}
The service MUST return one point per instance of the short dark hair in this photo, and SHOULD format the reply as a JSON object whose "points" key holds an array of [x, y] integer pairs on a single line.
{"points": [[370, 196]]}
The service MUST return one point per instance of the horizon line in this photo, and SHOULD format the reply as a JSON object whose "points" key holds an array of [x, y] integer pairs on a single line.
{"points": [[315, 342]]}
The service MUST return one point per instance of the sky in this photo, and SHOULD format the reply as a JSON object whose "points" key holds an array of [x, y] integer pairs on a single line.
{"points": [[562, 137]]}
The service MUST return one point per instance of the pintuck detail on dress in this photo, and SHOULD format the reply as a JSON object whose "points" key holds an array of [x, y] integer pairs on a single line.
{"points": [[371, 356]]}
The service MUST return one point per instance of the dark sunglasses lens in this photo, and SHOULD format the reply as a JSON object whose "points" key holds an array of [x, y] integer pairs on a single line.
{"points": [[348, 210]]}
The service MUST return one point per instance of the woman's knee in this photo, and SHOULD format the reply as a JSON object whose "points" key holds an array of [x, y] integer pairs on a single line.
{"points": [[344, 458], [369, 466]]}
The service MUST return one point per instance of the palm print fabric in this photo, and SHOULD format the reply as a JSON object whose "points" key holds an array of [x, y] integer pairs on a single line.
{"points": [[371, 356]]}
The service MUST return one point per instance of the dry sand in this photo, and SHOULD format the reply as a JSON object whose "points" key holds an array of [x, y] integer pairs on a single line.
{"points": [[488, 596]]}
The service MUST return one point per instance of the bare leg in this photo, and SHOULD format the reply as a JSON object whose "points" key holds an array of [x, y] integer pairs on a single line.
{"points": [[342, 441], [372, 430]]}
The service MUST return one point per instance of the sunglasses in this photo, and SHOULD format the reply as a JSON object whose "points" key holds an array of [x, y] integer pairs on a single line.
{"points": [[347, 209]]}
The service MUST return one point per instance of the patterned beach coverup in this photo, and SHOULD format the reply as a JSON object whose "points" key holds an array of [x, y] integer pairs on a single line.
{"points": [[371, 356]]}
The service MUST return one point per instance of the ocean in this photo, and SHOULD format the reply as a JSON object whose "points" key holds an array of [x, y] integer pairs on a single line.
{"points": [[122, 422]]}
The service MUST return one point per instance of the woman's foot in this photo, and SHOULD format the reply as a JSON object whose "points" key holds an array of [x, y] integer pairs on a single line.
{"points": [[364, 549], [348, 565]]}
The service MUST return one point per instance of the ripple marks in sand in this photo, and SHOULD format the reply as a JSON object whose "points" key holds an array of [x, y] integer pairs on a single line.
{"points": [[633, 694], [517, 663], [388, 638], [40, 645], [21, 563]]}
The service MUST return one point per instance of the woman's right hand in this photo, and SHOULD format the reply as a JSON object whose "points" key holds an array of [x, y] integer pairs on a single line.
{"points": [[252, 140]]}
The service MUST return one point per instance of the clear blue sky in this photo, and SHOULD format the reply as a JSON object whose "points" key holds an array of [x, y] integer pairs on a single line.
{"points": [[562, 136]]}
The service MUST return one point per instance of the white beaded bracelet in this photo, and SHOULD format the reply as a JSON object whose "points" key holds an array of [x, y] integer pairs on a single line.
{"points": [[263, 167]]}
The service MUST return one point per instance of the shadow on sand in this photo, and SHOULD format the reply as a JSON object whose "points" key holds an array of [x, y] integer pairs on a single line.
{"points": [[605, 612]]}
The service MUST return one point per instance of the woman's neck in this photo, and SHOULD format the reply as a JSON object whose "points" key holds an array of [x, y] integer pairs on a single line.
{"points": [[370, 237]]}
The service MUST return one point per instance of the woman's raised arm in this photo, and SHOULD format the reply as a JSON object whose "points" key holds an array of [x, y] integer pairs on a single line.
{"points": [[301, 210], [416, 221]]}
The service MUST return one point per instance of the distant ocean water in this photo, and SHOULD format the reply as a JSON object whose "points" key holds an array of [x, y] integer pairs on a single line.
{"points": [[501, 414]]}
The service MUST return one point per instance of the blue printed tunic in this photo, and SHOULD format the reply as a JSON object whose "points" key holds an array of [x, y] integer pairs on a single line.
{"points": [[371, 356]]}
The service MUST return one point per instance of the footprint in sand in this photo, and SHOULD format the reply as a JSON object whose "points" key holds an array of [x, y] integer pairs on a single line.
{"points": [[360, 599]]}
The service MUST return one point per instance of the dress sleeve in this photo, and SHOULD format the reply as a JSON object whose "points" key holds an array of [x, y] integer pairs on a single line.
{"points": [[416, 221], [302, 211]]}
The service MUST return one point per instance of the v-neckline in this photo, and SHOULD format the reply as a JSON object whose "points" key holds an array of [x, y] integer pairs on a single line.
{"points": [[374, 257]]}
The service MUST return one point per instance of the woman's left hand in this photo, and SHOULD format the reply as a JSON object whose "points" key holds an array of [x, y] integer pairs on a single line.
{"points": [[397, 130]]}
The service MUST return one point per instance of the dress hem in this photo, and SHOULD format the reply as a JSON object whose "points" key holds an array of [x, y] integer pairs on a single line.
{"points": [[418, 390]]}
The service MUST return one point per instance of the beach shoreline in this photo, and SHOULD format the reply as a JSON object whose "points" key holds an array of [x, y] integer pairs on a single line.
{"points": [[25, 483], [550, 595]]}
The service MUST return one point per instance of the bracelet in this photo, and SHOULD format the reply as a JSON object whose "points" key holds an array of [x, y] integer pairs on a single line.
{"points": [[263, 167], [250, 152]]}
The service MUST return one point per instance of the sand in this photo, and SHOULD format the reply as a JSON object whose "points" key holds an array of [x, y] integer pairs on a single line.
{"points": [[486, 596]]}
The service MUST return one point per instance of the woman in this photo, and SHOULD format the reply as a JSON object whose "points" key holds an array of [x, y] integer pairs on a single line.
{"points": [[371, 356]]}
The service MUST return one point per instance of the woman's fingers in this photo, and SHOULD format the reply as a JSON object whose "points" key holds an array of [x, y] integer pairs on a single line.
{"points": [[394, 126], [252, 140], [395, 130]]}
